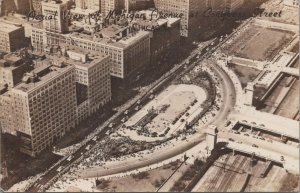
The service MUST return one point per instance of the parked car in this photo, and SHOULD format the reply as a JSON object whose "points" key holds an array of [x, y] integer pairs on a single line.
{"points": [[254, 146]]}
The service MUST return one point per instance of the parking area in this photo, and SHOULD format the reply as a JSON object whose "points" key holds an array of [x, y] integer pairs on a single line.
{"points": [[168, 111], [258, 43]]}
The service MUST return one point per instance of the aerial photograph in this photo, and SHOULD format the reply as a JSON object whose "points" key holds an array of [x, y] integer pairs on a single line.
{"points": [[149, 96]]}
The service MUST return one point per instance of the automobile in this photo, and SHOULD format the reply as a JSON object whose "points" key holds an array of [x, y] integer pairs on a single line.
{"points": [[88, 147], [230, 139], [246, 134], [123, 120], [227, 123], [126, 112], [95, 138], [254, 146], [111, 125], [70, 158], [59, 168], [281, 158], [137, 108]]}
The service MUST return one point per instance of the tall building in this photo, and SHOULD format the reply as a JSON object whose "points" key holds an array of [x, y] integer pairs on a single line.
{"points": [[128, 49], [233, 5], [12, 69], [36, 5], [1, 7], [53, 96], [224, 5], [17, 6], [165, 34], [108, 6], [12, 36], [56, 8], [93, 83], [135, 5], [188, 10], [88, 4], [43, 106]]}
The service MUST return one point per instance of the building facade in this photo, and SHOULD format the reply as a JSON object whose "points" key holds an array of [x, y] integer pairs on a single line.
{"points": [[59, 24], [12, 69], [52, 96], [186, 9], [128, 50], [88, 4], [93, 83], [12, 36], [43, 106]]}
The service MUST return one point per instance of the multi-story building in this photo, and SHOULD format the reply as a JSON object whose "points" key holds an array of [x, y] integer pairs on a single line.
{"points": [[43, 106], [232, 5], [12, 69], [93, 83], [88, 4], [109, 6], [224, 5], [136, 5], [128, 49], [55, 95], [36, 5], [165, 34], [1, 7], [12, 36], [186, 9], [57, 8], [17, 6]]}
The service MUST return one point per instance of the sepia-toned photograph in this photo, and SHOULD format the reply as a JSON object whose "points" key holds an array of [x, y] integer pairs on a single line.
{"points": [[149, 95]]}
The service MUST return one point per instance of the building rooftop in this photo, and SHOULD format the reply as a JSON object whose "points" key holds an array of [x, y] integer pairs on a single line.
{"points": [[7, 27], [46, 70], [80, 57], [113, 35]]}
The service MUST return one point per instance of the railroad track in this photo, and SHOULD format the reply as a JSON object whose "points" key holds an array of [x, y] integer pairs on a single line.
{"points": [[226, 181], [218, 174]]}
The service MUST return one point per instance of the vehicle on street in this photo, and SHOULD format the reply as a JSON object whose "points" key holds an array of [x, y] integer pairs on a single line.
{"points": [[70, 158]]}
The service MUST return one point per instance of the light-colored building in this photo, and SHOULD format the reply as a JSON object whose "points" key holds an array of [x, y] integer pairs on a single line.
{"points": [[54, 12], [12, 36], [187, 9], [93, 83], [109, 6], [233, 5], [224, 5], [36, 5], [43, 106], [165, 34], [88, 4], [128, 49], [53, 97]]}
